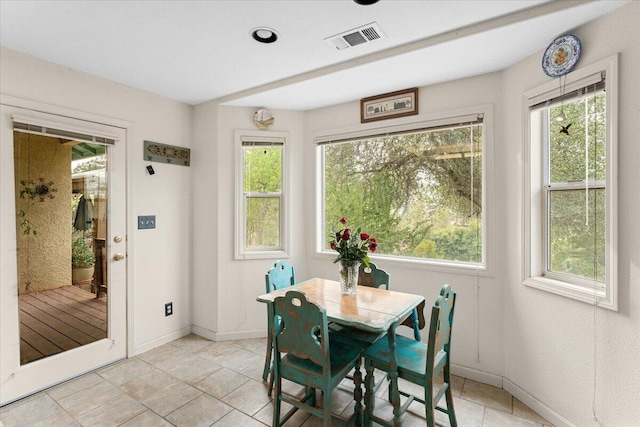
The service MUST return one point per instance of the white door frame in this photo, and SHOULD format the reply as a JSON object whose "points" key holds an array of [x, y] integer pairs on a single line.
{"points": [[98, 120]]}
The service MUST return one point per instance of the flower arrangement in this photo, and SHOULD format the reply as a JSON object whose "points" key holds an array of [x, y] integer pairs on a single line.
{"points": [[352, 247]]}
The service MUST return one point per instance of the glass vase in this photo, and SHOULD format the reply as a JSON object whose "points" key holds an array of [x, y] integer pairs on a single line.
{"points": [[349, 278]]}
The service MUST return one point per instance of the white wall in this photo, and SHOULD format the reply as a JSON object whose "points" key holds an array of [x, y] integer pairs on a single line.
{"points": [[160, 258], [205, 218], [549, 340], [424, 281], [230, 288]]}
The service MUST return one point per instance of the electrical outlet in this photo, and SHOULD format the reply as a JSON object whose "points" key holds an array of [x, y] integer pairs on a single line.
{"points": [[168, 309], [146, 221]]}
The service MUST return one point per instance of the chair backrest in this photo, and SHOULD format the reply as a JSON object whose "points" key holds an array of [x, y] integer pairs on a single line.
{"points": [[280, 276], [373, 277], [301, 328], [440, 329]]}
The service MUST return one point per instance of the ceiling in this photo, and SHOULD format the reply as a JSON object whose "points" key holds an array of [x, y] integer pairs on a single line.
{"points": [[197, 51]]}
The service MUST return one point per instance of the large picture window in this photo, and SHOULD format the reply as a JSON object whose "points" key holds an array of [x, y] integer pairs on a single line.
{"points": [[570, 186], [261, 196], [419, 191]]}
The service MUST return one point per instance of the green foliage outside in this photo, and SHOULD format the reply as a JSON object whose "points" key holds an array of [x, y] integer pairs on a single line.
{"points": [[577, 216], [96, 163], [263, 184], [419, 193], [81, 254]]}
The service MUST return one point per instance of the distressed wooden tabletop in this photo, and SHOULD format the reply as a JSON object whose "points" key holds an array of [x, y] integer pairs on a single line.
{"points": [[370, 309]]}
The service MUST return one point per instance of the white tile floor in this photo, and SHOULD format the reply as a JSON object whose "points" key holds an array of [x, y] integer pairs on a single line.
{"points": [[196, 382]]}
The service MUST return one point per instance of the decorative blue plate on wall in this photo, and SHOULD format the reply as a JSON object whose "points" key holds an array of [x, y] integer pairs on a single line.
{"points": [[561, 55]]}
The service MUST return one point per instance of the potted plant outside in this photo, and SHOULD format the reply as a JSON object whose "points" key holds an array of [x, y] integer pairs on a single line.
{"points": [[82, 262]]}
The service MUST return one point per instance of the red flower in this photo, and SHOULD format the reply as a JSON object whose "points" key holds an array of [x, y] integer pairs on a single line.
{"points": [[373, 240], [373, 247], [332, 245], [364, 236], [338, 235], [343, 220], [346, 234]]}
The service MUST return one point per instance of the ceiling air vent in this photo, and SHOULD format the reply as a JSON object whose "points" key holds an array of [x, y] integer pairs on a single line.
{"points": [[366, 33]]}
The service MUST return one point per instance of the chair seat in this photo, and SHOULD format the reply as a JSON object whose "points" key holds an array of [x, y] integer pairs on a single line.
{"points": [[411, 356]]}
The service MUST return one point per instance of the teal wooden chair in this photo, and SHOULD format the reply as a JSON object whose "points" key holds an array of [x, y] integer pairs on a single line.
{"points": [[419, 363], [281, 275], [305, 354], [373, 277]]}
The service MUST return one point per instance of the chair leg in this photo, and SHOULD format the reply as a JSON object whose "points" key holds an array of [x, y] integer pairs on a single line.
{"points": [[326, 408], [429, 405], [270, 390], [276, 403], [449, 396], [267, 358]]}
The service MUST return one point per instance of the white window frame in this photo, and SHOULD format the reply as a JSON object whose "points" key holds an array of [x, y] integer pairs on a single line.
{"points": [[407, 124], [534, 251], [241, 251]]}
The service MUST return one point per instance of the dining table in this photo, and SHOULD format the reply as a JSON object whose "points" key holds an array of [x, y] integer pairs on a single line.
{"points": [[370, 309]]}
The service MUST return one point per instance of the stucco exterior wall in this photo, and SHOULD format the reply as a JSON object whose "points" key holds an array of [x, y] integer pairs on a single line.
{"points": [[44, 259]]}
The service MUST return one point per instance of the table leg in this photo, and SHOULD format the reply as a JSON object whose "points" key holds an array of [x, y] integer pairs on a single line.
{"points": [[369, 398], [357, 393], [393, 376]]}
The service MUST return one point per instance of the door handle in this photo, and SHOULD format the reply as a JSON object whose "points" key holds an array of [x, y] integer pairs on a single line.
{"points": [[118, 257]]}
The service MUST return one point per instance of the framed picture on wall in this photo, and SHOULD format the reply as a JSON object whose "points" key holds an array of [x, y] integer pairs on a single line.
{"points": [[389, 105]]}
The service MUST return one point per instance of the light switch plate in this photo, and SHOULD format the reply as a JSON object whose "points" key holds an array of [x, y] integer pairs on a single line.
{"points": [[146, 221]]}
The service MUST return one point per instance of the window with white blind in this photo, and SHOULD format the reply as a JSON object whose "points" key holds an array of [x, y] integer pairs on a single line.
{"points": [[418, 188], [261, 195], [571, 186]]}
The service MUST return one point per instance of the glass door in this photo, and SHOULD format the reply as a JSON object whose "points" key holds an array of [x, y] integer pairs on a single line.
{"points": [[63, 249]]}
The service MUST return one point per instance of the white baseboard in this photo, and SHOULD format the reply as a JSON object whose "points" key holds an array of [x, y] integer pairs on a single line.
{"points": [[228, 336], [162, 340], [475, 375], [532, 402]]}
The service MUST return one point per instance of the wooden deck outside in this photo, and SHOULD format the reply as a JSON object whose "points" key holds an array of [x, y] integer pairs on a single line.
{"points": [[59, 319]]}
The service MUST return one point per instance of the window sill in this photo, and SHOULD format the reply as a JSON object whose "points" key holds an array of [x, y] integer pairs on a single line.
{"points": [[572, 291], [262, 255], [384, 261]]}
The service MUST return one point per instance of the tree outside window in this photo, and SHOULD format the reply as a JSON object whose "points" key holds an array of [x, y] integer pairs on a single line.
{"points": [[261, 226], [419, 192], [575, 188]]}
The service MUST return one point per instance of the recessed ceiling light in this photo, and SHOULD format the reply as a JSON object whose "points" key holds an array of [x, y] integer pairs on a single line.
{"points": [[264, 35], [365, 2]]}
